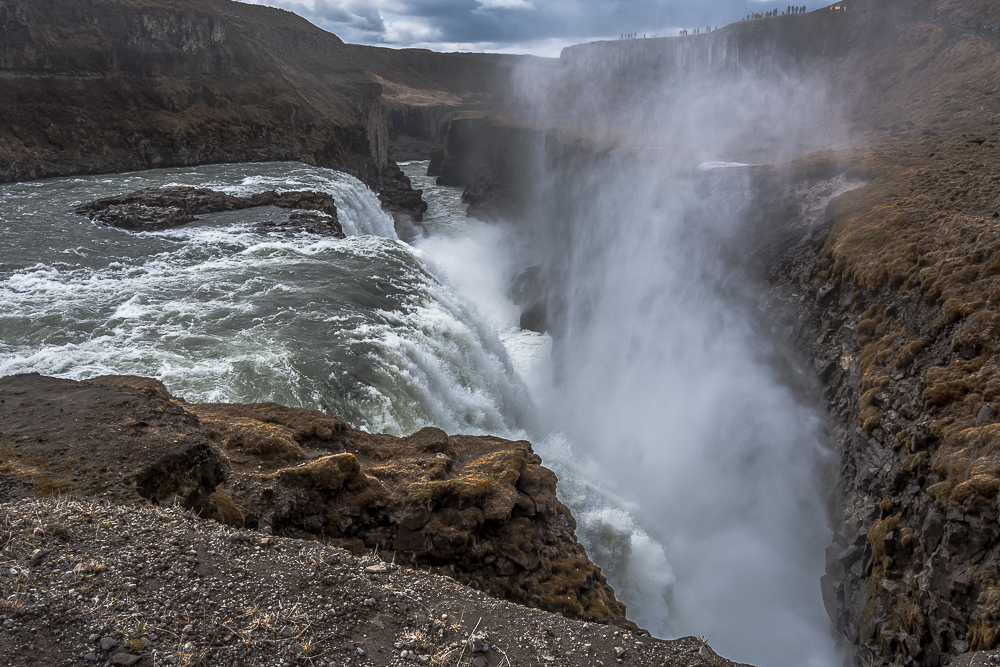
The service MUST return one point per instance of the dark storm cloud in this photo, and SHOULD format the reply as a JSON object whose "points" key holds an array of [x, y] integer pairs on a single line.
{"points": [[508, 24]]}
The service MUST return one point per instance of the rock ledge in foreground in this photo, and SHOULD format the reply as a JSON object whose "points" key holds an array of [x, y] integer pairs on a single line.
{"points": [[479, 509]]}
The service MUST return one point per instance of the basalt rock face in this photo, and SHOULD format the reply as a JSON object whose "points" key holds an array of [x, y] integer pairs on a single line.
{"points": [[100, 86], [162, 208], [896, 309], [480, 509]]}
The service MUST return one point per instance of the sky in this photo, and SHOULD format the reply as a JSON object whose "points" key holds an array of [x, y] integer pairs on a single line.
{"points": [[538, 27]]}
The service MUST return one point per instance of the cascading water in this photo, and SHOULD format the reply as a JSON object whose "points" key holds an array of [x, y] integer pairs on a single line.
{"points": [[690, 464], [226, 310], [680, 452]]}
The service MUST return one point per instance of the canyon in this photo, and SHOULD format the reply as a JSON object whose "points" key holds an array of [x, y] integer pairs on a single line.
{"points": [[870, 214]]}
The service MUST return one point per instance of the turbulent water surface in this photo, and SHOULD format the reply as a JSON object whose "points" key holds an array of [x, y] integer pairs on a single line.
{"points": [[680, 454], [224, 309]]}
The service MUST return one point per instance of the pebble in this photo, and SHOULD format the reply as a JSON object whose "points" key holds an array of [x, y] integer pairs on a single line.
{"points": [[36, 557], [93, 638], [108, 643], [125, 659], [286, 631], [90, 657], [379, 568]]}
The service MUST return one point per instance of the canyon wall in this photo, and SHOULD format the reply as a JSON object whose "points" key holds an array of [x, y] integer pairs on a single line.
{"points": [[101, 86], [887, 292]]}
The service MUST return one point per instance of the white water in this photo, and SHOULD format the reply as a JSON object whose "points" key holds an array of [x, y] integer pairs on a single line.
{"points": [[685, 460], [223, 310], [691, 467]]}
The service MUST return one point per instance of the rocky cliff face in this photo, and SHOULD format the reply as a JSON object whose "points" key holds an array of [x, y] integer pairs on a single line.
{"points": [[102, 85], [900, 334], [479, 509]]}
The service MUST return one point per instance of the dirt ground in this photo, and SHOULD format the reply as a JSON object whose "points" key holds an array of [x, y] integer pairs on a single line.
{"points": [[86, 581]]}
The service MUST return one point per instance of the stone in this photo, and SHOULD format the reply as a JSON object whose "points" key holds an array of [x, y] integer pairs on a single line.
{"points": [[822, 293], [90, 657], [985, 416], [155, 209], [286, 631], [36, 557], [476, 642], [108, 643], [480, 662], [125, 659]]}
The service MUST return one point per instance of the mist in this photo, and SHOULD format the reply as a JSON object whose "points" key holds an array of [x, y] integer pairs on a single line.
{"points": [[691, 455]]}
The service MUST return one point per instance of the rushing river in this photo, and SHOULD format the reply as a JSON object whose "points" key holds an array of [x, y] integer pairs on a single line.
{"points": [[393, 336], [225, 310]]}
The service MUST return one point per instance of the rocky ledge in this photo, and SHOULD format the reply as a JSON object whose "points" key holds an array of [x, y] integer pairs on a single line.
{"points": [[480, 510], [153, 209]]}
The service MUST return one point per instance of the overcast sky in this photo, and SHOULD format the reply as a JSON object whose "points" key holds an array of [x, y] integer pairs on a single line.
{"points": [[540, 27]]}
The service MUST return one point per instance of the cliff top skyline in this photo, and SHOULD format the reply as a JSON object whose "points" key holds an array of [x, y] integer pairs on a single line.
{"points": [[536, 27]]}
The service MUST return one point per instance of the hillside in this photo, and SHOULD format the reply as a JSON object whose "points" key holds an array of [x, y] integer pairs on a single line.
{"points": [[117, 85]]}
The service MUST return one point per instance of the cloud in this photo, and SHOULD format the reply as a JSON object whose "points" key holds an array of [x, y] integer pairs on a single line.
{"points": [[411, 31], [504, 4], [511, 26]]}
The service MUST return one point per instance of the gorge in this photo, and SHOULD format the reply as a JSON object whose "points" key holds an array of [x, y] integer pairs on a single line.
{"points": [[737, 288]]}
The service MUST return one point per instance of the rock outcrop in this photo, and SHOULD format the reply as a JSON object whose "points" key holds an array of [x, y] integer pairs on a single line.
{"points": [[161, 208], [479, 509]]}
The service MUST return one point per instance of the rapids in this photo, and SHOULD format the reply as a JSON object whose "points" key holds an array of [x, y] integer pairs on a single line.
{"points": [[220, 310]]}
